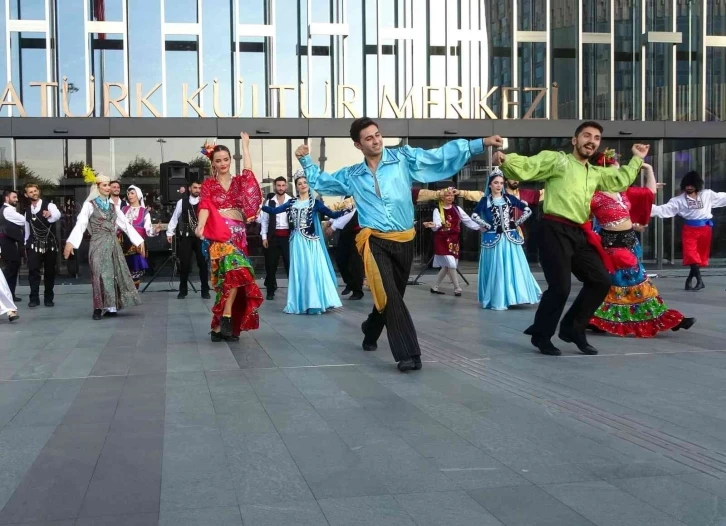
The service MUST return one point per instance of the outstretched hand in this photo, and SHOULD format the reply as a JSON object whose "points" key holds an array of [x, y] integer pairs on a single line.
{"points": [[302, 151], [245, 139], [494, 140]]}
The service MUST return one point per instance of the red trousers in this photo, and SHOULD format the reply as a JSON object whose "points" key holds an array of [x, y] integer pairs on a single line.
{"points": [[696, 245]]}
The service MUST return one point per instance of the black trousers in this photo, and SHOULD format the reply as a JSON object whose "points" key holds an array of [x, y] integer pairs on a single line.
{"points": [[276, 246], [10, 271], [564, 250], [186, 246], [47, 261], [394, 263], [350, 264]]}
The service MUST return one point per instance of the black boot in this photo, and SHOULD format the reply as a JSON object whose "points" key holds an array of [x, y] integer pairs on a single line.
{"points": [[406, 365], [417, 363], [97, 314], [225, 326], [686, 323]]}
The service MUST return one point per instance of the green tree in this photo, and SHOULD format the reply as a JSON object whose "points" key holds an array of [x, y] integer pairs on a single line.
{"points": [[140, 167], [24, 175]]}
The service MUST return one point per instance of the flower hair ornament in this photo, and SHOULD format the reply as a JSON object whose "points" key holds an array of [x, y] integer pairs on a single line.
{"points": [[89, 176], [607, 158], [208, 149]]}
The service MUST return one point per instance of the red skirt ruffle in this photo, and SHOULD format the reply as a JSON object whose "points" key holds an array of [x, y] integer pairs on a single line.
{"points": [[640, 329]]}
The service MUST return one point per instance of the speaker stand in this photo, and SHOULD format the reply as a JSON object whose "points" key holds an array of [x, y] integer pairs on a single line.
{"points": [[174, 261]]}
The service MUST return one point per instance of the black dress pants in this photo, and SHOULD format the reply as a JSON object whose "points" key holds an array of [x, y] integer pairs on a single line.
{"points": [[276, 246], [564, 250], [186, 246], [394, 262], [10, 271], [47, 261], [350, 264]]}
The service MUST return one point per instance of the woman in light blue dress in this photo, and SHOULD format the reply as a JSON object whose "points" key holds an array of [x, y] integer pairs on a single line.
{"points": [[312, 286], [504, 275]]}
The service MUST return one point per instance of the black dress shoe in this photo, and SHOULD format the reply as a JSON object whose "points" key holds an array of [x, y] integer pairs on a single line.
{"points": [[97, 314], [17, 298], [358, 295], [232, 338], [436, 291], [205, 295], [406, 365], [346, 291], [270, 297], [33, 303], [49, 303], [417, 365], [367, 346], [699, 285], [181, 295], [686, 323], [216, 337], [578, 339], [109, 314], [13, 317], [545, 346], [225, 326]]}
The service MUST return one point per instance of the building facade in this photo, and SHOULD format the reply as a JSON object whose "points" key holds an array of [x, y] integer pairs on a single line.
{"points": [[125, 85]]}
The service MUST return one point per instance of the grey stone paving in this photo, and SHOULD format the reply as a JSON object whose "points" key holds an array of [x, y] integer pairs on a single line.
{"points": [[141, 420]]}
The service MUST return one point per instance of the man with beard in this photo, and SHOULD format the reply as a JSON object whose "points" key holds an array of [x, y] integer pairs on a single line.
{"points": [[183, 223], [694, 206], [116, 195], [275, 241], [40, 245], [12, 226], [565, 239]]}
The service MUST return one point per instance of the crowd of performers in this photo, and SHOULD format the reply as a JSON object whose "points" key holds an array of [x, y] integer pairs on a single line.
{"points": [[591, 218]]}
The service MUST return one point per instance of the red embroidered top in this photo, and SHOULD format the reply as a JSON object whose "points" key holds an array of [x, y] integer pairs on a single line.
{"points": [[634, 204], [244, 194]]}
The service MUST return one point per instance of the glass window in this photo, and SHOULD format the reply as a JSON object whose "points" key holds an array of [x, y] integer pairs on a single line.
{"points": [[658, 82], [287, 58], [564, 57], [254, 11], [715, 18], [688, 62], [7, 176], [659, 15], [500, 35], [217, 55], [145, 55], [182, 67], [596, 81], [716, 84], [595, 16], [107, 65], [71, 51], [532, 15], [27, 9], [27, 53], [627, 62], [185, 11], [532, 56]]}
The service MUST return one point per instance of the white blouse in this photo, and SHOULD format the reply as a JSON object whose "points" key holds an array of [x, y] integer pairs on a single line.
{"points": [[468, 221], [687, 208], [122, 223]]}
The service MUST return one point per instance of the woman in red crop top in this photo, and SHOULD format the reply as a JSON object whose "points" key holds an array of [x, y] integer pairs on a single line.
{"points": [[633, 306], [226, 205]]}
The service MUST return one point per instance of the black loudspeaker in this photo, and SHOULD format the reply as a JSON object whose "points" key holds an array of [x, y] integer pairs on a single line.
{"points": [[196, 174], [174, 177]]}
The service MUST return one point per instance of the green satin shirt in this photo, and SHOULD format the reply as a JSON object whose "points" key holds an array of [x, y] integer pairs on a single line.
{"points": [[569, 184]]}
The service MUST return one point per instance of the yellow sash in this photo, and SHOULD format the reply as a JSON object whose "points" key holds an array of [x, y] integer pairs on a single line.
{"points": [[375, 282]]}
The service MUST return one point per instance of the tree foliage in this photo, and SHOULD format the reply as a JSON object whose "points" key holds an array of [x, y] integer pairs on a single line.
{"points": [[140, 167], [203, 163], [23, 175]]}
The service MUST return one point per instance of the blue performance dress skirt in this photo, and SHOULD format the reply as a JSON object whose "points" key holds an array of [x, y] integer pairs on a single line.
{"points": [[312, 288], [505, 278]]}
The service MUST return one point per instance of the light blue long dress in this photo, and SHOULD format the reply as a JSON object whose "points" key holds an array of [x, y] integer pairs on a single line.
{"points": [[504, 275], [312, 285]]}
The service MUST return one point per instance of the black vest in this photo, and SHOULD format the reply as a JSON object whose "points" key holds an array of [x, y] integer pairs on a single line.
{"points": [[183, 227], [9, 231], [38, 220]]}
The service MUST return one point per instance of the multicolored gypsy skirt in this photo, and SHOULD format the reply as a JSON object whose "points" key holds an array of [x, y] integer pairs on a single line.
{"points": [[633, 306], [136, 262], [230, 269]]}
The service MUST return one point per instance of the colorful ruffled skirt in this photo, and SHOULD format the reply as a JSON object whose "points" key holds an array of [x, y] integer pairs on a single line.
{"points": [[633, 306], [230, 269]]}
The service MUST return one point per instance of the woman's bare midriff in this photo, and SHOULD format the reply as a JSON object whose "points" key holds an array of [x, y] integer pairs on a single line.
{"points": [[620, 227], [233, 213]]}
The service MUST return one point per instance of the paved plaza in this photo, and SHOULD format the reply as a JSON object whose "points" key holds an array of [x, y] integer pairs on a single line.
{"points": [[142, 420]]}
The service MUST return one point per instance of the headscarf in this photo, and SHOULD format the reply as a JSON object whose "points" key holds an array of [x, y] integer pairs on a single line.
{"points": [[139, 194], [94, 193]]}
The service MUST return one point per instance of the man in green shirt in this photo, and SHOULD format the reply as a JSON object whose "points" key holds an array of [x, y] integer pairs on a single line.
{"points": [[565, 240]]}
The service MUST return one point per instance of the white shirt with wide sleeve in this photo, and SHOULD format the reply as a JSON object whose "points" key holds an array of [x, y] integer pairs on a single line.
{"points": [[339, 223], [55, 215], [174, 221], [687, 208], [122, 224]]}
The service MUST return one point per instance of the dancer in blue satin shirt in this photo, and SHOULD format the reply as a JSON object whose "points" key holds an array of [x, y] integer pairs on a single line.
{"points": [[312, 286]]}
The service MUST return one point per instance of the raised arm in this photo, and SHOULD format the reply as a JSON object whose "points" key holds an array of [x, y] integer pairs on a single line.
{"points": [[428, 166], [718, 199], [278, 209], [535, 168], [619, 179], [323, 183], [246, 157], [471, 195]]}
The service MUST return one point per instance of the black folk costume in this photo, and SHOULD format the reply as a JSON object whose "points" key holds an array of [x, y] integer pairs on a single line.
{"points": [[41, 247], [12, 235], [182, 225], [276, 229]]}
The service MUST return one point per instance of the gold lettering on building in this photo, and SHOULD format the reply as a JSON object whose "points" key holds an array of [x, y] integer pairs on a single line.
{"points": [[419, 101]]}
